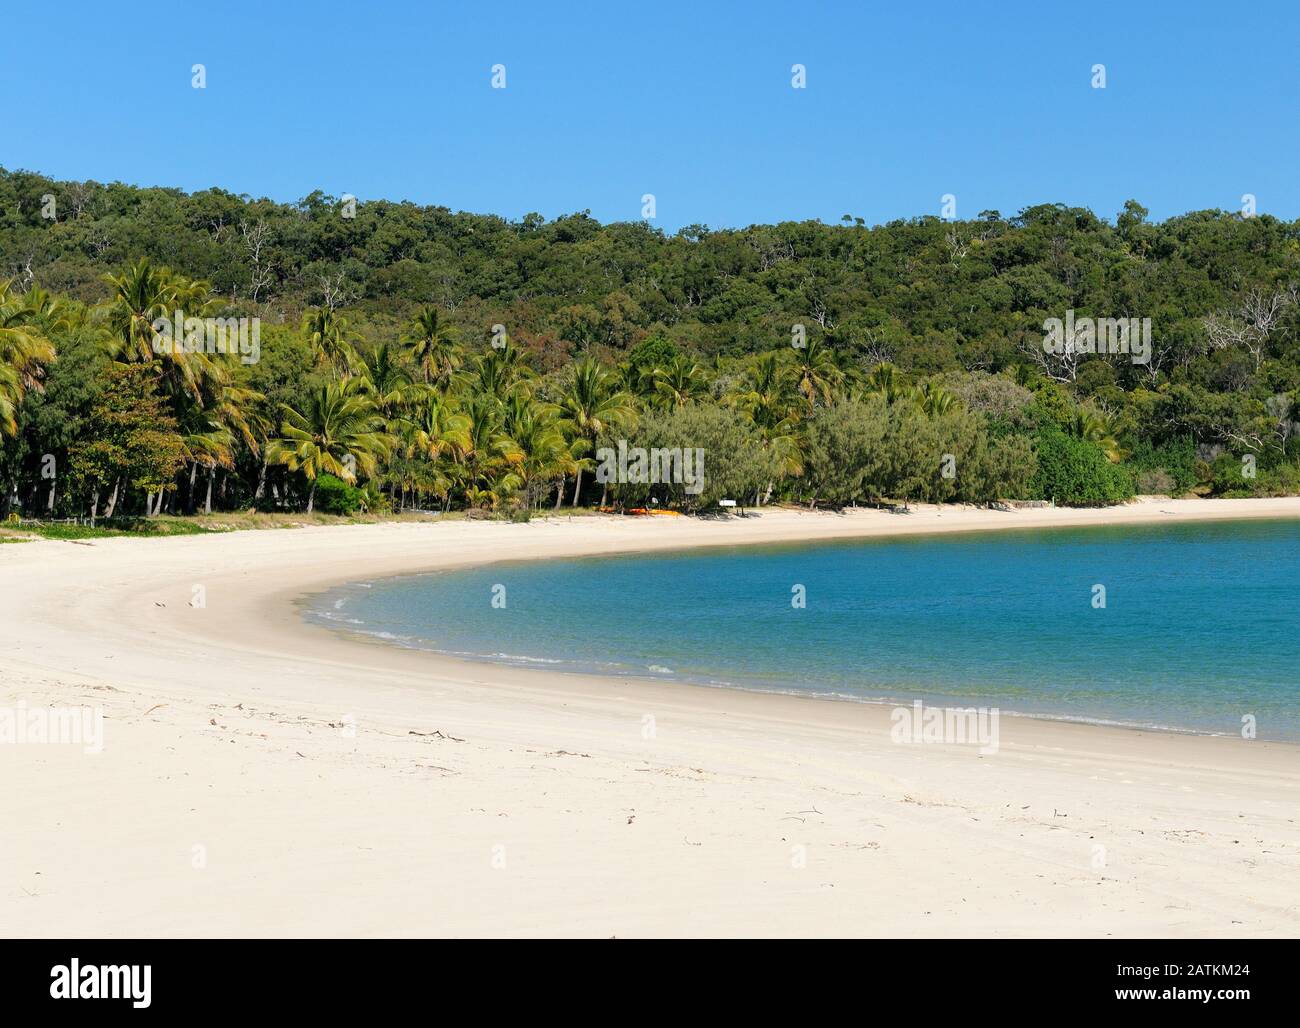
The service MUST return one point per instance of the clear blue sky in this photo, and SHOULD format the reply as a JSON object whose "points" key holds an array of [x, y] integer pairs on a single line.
{"points": [[689, 101]]}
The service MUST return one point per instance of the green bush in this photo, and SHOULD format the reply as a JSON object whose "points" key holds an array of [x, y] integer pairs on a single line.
{"points": [[1076, 473], [334, 496], [1229, 478], [1171, 465]]}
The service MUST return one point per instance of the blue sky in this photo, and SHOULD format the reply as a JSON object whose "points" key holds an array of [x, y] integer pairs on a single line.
{"points": [[692, 102]]}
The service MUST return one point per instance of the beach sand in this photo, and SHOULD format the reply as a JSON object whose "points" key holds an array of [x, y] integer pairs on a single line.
{"points": [[261, 776]]}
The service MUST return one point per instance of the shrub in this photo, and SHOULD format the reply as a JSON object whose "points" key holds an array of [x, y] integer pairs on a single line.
{"points": [[1158, 482], [334, 496], [1172, 464], [1075, 472]]}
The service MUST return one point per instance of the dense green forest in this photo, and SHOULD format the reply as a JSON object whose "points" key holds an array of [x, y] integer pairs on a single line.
{"points": [[410, 356]]}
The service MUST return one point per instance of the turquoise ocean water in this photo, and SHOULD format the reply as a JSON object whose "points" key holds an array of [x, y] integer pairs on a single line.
{"points": [[1201, 623]]}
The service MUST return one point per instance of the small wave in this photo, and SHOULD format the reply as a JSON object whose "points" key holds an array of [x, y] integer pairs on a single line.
{"points": [[524, 660], [326, 615], [404, 641]]}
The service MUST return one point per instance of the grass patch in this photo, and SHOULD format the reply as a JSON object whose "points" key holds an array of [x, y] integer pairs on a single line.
{"points": [[241, 521], [124, 527]]}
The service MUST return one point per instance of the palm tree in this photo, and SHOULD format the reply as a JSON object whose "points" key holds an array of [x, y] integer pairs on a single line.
{"points": [[679, 382], [430, 438], [491, 453], [500, 371], [434, 349], [887, 381], [141, 296], [541, 453], [386, 381], [326, 333], [771, 402], [340, 433], [816, 373], [24, 350], [935, 399], [593, 403], [11, 395], [1097, 428]]}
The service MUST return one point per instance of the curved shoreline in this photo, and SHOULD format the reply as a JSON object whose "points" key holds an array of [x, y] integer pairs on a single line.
{"points": [[535, 665], [311, 611], [340, 788]]}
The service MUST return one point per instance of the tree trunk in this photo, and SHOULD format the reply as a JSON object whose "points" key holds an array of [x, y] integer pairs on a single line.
{"points": [[207, 503], [577, 487], [559, 493], [311, 496], [261, 481], [94, 506], [189, 501], [112, 500]]}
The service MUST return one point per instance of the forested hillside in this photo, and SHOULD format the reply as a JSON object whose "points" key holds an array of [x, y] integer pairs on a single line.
{"points": [[811, 362]]}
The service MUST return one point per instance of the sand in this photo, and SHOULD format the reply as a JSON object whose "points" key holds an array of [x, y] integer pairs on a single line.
{"points": [[265, 777]]}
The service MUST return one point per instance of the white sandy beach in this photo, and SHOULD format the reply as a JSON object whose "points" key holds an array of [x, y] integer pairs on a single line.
{"points": [[262, 776]]}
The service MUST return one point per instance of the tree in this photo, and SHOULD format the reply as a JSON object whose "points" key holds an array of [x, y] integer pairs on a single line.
{"points": [[132, 441], [818, 377], [679, 382], [339, 433], [733, 463], [434, 348], [25, 350], [326, 332], [540, 453], [592, 403]]}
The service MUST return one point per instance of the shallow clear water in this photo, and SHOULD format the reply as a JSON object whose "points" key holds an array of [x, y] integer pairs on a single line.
{"points": [[1200, 625]]}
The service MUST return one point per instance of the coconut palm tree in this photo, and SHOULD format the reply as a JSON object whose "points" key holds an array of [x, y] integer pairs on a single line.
{"points": [[434, 349], [327, 334], [432, 436], [386, 381], [340, 433], [141, 296], [934, 399], [24, 350], [1098, 428], [817, 375], [771, 401], [488, 460], [541, 453], [592, 403], [887, 381], [500, 371], [679, 382]]}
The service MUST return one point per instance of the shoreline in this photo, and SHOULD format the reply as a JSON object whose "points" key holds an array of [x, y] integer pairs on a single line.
{"points": [[322, 776], [463, 666], [304, 603]]}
